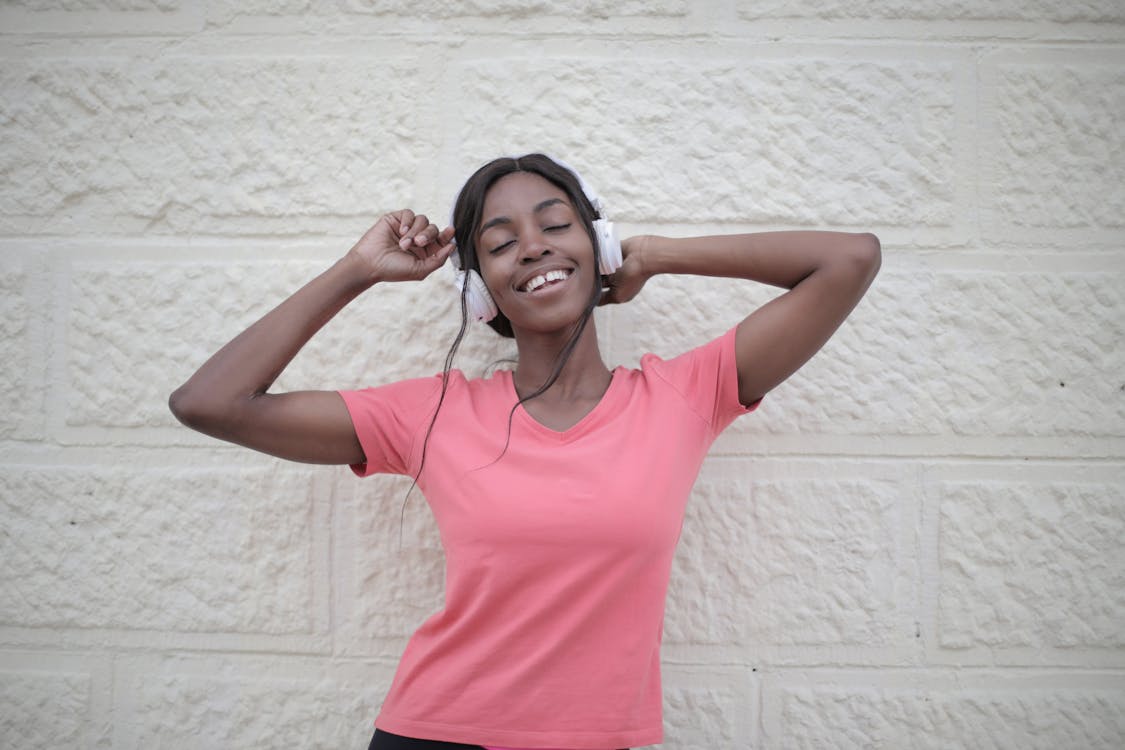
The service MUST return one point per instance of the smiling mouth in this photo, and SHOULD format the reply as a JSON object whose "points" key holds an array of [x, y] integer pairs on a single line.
{"points": [[550, 278]]}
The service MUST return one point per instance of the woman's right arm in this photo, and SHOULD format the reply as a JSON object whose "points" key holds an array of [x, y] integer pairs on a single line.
{"points": [[227, 397]]}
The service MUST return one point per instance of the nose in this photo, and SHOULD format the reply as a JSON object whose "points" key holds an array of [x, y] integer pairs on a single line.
{"points": [[534, 246]]}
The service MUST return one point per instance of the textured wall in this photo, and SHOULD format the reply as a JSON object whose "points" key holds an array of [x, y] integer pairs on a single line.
{"points": [[916, 542]]}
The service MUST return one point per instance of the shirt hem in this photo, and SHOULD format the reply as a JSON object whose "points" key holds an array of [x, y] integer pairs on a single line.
{"points": [[428, 730]]}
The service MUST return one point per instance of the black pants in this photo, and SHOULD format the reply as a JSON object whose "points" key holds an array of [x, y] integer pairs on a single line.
{"points": [[387, 741]]}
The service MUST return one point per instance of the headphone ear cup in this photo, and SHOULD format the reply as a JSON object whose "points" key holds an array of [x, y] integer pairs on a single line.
{"points": [[479, 302], [609, 247]]}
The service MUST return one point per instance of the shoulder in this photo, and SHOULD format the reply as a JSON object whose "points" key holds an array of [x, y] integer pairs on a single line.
{"points": [[410, 389], [705, 378], [428, 390], [391, 420], [707, 357]]}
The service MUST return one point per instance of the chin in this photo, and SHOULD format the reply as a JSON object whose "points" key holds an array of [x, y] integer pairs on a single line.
{"points": [[549, 324]]}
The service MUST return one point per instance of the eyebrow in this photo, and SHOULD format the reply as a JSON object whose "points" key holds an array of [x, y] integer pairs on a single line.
{"points": [[505, 220]]}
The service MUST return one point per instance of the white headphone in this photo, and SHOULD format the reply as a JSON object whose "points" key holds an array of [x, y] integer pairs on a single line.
{"points": [[479, 302]]}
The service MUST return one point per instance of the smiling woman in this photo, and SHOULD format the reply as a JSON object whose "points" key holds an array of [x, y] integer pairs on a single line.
{"points": [[528, 237], [556, 578]]}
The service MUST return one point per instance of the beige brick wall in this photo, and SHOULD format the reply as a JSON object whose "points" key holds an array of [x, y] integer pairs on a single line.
{"points": [[916, 542]]}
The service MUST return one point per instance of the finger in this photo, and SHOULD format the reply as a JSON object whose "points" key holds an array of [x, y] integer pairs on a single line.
{"points": [[408, 238], [406, 221], [435, 261], [420, 223], [426, 236], [443, 255], [446, 235]]}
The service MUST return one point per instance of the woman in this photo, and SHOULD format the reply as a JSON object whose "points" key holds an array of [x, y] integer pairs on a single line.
{"points": [[559, 487]]}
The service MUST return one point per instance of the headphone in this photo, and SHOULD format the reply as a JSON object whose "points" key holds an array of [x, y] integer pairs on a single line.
{"points": [[479, 302]]}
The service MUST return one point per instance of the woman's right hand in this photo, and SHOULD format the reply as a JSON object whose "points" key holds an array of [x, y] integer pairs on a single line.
{"points": [[402, 246]]}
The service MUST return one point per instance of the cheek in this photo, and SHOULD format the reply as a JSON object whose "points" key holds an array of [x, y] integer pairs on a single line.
{"points": [[492, 278]]}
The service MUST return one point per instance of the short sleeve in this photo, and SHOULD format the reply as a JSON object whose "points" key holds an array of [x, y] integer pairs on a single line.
{"points": [[707, 377], [389, 420]]}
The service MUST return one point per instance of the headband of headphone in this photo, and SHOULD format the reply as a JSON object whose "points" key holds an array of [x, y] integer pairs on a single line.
{"points": [[479, 302]]}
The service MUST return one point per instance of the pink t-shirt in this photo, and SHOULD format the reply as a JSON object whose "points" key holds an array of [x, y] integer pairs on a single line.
{"points": [[557, 554]]}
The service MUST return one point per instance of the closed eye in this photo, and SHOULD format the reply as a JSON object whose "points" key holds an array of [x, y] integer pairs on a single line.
{"points": [[552, 228]]}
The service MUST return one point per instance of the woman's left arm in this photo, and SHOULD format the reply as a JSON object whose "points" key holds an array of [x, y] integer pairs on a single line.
{"points": [[826, 274]]}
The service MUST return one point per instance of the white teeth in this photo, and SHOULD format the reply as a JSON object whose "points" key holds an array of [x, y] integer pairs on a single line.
{"points": [[543, 278]]}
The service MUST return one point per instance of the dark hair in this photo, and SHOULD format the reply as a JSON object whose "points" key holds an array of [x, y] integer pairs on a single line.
{"points": [[467, 214]]}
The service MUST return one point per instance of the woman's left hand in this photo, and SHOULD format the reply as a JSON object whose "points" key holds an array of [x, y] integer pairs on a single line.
{"points": [[626, 282]]}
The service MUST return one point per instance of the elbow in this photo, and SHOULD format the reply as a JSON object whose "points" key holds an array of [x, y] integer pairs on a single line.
{"points": [[196, 411], [872, 251], [200, 409], [184, 407], [867, 255]]}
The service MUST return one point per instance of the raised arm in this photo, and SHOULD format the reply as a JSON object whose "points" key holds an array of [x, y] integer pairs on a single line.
{"points": [[227, 397], [826, 274]]}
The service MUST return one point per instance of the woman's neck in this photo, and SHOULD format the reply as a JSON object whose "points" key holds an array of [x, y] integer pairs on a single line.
{"points": [[584, 375]]}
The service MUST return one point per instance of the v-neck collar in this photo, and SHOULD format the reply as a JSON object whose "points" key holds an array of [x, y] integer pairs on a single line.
{"points": [[589, 421]]}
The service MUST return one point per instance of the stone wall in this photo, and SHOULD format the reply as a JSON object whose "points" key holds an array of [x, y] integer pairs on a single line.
{"points": [[917, 542]]}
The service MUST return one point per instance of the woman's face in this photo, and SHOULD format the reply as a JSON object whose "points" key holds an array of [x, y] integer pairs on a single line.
{"points": [[534, 253]]}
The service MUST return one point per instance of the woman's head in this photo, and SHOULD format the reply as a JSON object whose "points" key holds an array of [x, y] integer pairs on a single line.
{"points": [[469, 207]]}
